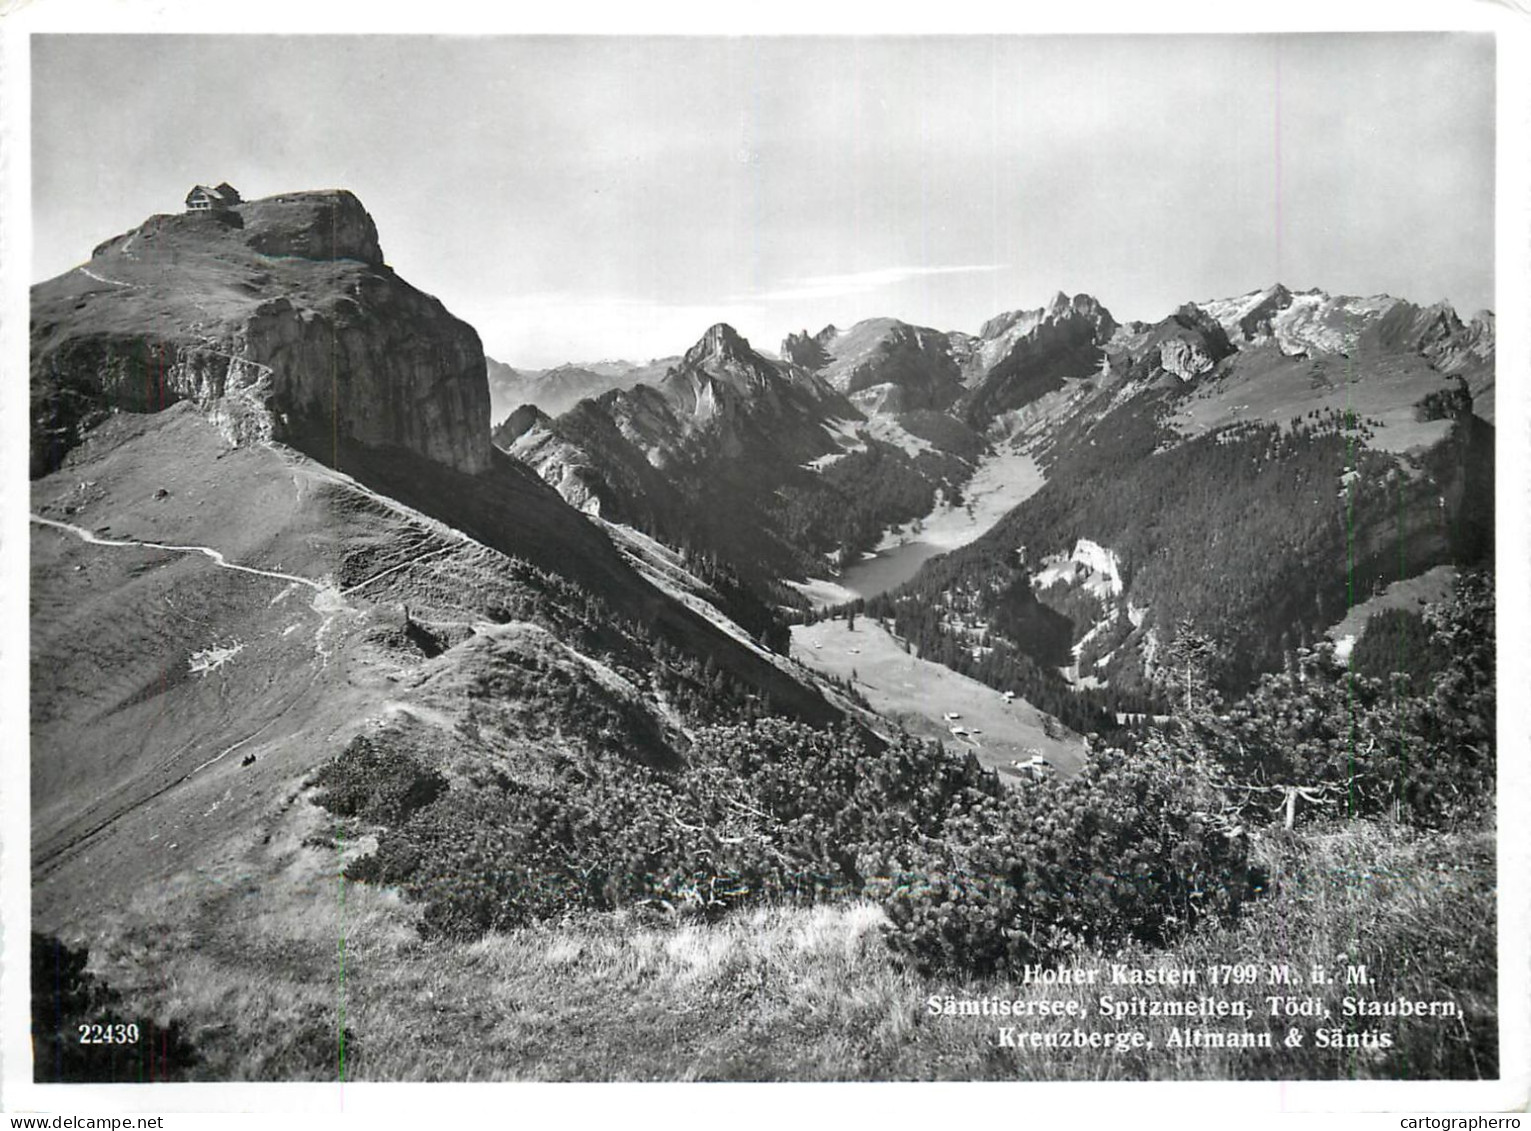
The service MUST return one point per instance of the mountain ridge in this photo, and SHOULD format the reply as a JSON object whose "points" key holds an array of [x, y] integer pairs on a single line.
{"points": [[1016, 376], [549, 691], [728, 451]]}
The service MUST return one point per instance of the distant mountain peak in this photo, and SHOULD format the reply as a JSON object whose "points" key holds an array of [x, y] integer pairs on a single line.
{"points": [[1061, 307], [1276, 289], [564, 367], [518, 423], [1085, 304], [720, 342], [1192, 316], [807, 349]]}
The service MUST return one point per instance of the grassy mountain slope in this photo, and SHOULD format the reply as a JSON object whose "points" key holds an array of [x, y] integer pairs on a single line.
{"points": [[158, 671]]}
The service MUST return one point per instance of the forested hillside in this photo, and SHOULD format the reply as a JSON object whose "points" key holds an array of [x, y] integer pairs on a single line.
{"points": [[1260, 534]]}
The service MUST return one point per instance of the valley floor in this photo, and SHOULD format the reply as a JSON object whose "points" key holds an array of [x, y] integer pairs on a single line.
{"points": [[919, 694], [1001, 482]]}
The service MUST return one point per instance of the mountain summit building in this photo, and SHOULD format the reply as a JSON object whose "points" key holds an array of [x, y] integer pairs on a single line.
{"points": [[204, 199]]}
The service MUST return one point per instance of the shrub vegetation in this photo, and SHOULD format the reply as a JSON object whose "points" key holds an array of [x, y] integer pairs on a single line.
{"points": [[1140, 847]]}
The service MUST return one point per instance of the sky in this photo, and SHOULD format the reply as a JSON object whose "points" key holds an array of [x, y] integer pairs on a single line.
{"points": [[578, 198]]}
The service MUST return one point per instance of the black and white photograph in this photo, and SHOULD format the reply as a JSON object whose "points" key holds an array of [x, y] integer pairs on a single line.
{"points": [[777, 556]]}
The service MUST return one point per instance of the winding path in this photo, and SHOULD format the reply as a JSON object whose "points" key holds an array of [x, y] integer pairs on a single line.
{"points": [[47, 858], [395, 569], [86, 271], [218, 558]]}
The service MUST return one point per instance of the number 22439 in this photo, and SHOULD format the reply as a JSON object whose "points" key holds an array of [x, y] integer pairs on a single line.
{"points": [[113, 1034]]}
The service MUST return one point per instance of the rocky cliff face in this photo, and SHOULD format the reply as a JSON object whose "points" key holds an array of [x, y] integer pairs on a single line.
{"points": [[1315, 323], [1438, 333], [277, 318], [701, 457], [1185, 346], [312, 225], [1024, 354], [726, 400], [883, 364], [807, 349]]}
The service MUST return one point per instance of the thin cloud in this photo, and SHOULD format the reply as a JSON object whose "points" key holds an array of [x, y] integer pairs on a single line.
{"points": [[859, 282]]}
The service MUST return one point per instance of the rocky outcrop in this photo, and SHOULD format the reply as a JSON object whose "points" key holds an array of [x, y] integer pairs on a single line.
{"points": [[1179, 350], [1251, 317], [312, 225], [1184, 359], [387, 367], [1305, 323], [277, 318], [807, 349], [1439, 334], [518, 423], [1191, 343], [1025, 354], [886, 365]]}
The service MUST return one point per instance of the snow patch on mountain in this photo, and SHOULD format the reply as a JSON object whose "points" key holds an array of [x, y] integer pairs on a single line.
{"points": [[1315, 321], [1301, 322], [211, 659], [1232, 313]]}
